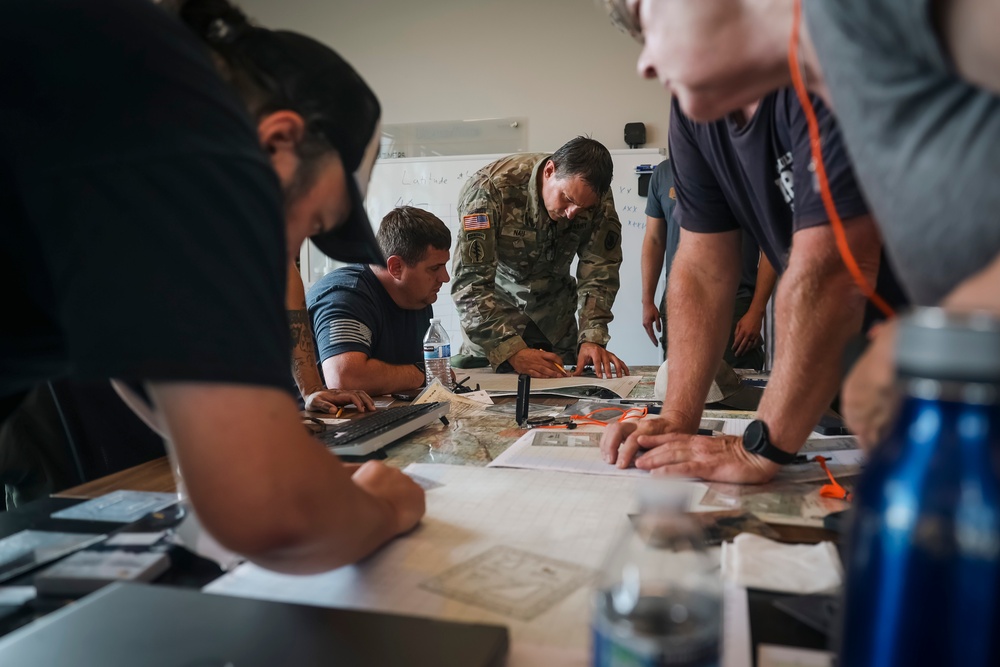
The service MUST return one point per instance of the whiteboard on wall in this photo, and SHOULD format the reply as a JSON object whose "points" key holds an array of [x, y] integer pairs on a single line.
{"points": [[433, 184]]}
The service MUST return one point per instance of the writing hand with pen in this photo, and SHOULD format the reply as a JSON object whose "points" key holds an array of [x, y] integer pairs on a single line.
{"points": [[538, 363]]}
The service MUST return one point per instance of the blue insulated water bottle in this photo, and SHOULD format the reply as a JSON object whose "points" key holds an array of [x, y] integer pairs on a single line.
{"points": [[924, 551]]}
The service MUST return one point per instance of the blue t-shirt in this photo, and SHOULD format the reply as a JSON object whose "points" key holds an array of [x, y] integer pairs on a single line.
{"points": [[660, 204], [352, 312]]}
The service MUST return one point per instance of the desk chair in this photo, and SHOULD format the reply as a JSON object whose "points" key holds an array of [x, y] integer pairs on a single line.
{"points": [[103, 435]]}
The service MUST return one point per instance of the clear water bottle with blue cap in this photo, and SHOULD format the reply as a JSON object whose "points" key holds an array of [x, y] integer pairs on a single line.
{"points": [[437, 354], [658, 598], [923, 582]]}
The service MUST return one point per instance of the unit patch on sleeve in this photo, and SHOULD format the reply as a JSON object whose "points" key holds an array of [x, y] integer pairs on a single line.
{"points": [[476, 253], [610, 241], [475, 221]]}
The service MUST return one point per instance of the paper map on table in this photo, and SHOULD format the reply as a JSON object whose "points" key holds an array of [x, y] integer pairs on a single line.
{"points": [[512, 582], [508, 522], [566, 451]]}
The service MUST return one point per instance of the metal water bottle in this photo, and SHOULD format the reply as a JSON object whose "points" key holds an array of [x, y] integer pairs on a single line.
{"points": [[924, 553]]}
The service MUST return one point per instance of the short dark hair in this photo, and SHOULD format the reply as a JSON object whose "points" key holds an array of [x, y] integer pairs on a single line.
{"points": [[587, 158], [407, 231]]}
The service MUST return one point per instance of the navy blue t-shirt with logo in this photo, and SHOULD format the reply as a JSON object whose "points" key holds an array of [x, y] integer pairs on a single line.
{"points": [[759, 177]]}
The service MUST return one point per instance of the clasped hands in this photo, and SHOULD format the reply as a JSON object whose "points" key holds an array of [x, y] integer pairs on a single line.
{"points": [[542, 364]]}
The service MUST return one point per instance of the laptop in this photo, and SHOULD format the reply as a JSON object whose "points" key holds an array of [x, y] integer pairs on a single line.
{"points": [[124, 625], [370, 433]]}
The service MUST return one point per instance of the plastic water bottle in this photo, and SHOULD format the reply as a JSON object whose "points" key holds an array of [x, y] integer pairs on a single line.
{"points": [[924, 554], [437, 354], [658, 600]]}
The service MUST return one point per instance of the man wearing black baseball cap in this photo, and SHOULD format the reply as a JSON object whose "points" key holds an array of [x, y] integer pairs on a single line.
{"points": [[297, 87], [145, 239]]}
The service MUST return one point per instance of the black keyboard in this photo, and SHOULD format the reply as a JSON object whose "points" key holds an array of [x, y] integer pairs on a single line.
{"points": [[372, 432]]}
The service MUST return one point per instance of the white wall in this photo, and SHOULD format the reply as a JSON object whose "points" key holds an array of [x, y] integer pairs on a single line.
{"points": [[560, 63]]}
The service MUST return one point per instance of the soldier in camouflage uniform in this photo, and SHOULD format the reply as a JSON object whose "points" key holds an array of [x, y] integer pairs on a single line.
{"points": [[523, 220]]}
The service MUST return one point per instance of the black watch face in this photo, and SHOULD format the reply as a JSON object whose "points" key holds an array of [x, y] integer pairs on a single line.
{"points": [[753, 437]]}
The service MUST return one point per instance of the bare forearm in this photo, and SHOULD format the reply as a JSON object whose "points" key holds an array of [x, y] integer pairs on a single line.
{"points": [[304, 370], [354, 370], [766, 278], [699, 306], [654, 245], [978, 292], [291, 508], [968, 30], [817, 311]]}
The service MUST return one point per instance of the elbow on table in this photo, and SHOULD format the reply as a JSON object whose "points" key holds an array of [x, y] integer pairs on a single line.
{"points": [[253, 533], [345, 372], [270, 529]]}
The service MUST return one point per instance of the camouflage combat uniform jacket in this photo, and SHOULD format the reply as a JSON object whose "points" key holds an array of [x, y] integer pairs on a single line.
{"points": [[512, 265]]}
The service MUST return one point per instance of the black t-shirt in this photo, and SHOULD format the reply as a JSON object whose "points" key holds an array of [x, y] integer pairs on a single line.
{"points": [[759, 177], [352, 312], [142, 231]]}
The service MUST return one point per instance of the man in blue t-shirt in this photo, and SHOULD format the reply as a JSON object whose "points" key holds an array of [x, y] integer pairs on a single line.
{"points": [[370, 320], [745, 348], [751, 171]]}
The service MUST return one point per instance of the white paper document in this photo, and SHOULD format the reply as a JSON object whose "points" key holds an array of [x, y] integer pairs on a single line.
{"points": [[460, 405], [567, 451], [505, 384], [769, 655], [510, 547]]}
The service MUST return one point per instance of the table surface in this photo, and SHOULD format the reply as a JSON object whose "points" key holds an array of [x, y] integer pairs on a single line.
{"points": [[472, 441], [466, 441]]}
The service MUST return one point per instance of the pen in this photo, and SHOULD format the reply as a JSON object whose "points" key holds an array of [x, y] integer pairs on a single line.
{"points": [[340, 411]]}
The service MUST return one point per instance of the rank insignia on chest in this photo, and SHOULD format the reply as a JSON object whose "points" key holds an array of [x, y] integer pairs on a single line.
{"points": [[475, 221]]}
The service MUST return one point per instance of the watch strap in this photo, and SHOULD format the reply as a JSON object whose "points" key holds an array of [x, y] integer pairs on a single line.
{"points": [[757, 440]]}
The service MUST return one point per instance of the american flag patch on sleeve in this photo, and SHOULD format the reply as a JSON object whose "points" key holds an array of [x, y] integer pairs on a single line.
{"points": [[475, 221]]}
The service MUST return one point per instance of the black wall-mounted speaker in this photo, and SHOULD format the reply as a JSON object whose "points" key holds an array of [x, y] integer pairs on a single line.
{"points": [[635, 134]]}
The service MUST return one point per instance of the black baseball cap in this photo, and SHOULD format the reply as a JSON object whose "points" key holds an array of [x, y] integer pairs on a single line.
{"points": [[337, 104]]}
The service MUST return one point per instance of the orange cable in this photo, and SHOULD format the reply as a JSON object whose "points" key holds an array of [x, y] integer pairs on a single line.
{"points": [[824, 185]]}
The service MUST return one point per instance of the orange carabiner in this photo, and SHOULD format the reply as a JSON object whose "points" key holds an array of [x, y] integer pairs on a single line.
{"points": [[833, 489]]}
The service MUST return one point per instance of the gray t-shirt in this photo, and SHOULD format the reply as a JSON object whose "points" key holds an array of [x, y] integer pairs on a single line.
{"points": [[923, 141], [660, 204]]}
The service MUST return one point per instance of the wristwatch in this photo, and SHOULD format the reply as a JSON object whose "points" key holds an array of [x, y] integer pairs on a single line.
{"points": [[757, 440]]}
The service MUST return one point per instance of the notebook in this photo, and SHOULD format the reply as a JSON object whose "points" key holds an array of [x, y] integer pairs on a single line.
{"points": [[124, 625], [370, 433]]}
